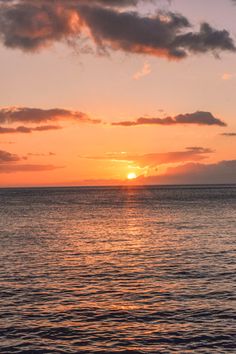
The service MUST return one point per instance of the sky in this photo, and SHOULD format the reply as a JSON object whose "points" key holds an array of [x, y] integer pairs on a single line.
{"points": [[106, 92]]}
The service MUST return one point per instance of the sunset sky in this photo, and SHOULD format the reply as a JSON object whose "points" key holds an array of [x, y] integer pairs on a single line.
{"points": [[95, 90]]}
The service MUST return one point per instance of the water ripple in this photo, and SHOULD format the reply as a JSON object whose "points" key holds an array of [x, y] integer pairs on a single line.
{"points": [[118, 270]]}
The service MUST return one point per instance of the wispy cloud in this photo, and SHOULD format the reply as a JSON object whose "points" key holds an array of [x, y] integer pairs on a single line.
{"points": [[7, 168], [146, 70], [28, 130], [228, 76], [156, 159], [11, 163], [199, 118], [32, 25], [41, 154]]}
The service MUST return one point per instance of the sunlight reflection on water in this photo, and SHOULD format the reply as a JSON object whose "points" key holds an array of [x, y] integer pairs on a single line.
{"points": [[118, 270]]}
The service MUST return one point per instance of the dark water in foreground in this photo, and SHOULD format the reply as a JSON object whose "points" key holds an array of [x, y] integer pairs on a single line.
{"points": [[118, 270]]}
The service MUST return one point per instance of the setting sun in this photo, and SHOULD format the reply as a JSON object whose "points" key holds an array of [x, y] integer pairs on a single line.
{"points": [[131, 175]]}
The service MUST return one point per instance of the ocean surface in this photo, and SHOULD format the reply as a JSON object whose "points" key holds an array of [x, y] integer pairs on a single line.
{"points": [[118, 270]]}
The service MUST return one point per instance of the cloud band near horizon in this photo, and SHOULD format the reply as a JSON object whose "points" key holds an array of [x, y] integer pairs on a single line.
{"points": [[222, 172], [152, 160]]}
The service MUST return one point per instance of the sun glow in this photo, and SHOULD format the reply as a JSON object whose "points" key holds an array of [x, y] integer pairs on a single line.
{"points": [[131, 175]]}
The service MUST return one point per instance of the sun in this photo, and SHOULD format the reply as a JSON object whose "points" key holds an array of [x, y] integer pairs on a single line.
{"points": [[131, 175]]}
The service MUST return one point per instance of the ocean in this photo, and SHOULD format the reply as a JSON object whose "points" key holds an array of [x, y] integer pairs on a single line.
{"points": [[118, 270]]}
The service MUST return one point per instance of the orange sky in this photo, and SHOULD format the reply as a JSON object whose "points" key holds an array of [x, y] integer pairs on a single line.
{"points": [[85, 101]]}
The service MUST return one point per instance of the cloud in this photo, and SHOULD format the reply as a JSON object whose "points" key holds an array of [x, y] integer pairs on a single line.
{"points": [[106, 3], [227, 76], [116, 3], [41, 154], [229, 134], [37, 115], [26, 115], [223, 172], [9, 163], [8, 157], [32, 25], [146, 70], [199, 118], [156, 159], [6, 168], [158, 35], [27, 130]]}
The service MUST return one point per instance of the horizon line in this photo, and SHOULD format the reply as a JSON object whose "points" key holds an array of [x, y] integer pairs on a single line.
{"points": [[122, 186]]}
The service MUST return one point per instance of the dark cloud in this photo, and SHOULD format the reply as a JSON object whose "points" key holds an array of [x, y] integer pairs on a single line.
{"points": [[116, 3], [32, 25], [106, 3], [229, 134], [27, 130], [6, 157], [44, 128], [11, 115], [223, 172], [207, 39], [155, 159], [159, 35], [200, 118], [37, 115]]}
